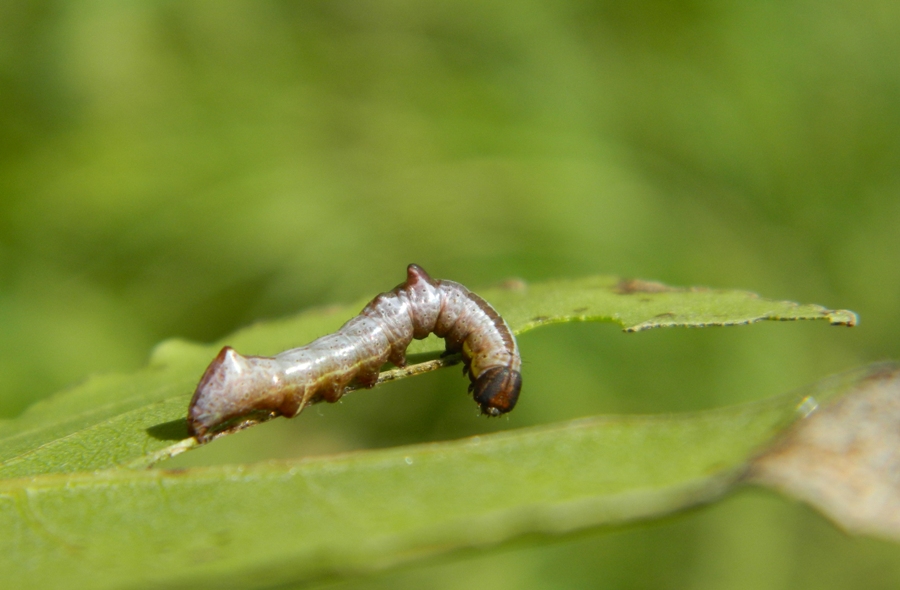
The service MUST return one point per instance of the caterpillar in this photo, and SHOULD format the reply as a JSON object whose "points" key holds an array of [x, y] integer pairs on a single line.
{"points": [[234, 385]]}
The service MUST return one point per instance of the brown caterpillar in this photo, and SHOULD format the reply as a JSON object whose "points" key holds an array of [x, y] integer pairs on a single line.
{"points": [[235, 385]]}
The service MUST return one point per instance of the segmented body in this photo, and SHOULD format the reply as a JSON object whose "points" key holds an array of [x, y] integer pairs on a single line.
{"points": [[234, 385]]}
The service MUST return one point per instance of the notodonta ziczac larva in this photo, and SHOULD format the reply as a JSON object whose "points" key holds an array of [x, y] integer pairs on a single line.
{"points": [[235, 385]]}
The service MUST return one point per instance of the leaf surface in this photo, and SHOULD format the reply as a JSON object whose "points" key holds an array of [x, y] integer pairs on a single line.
{"points": [[294, 521]]}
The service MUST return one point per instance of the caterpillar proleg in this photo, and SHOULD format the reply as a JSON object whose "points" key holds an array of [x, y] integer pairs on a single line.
{"points": [[235, 385]]}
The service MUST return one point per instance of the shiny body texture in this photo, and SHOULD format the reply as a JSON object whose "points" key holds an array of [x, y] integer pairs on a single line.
{"points": [[234, 385]]}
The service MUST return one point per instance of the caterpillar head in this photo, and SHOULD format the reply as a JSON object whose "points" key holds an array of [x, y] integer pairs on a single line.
{"points": [[497, 390]]}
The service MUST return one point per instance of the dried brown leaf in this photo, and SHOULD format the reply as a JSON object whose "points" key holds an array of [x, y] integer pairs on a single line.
{"points": [[844, 459]]}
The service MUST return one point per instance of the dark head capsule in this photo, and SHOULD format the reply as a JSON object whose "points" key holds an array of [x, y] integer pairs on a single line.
{"points": [[497, 390]]}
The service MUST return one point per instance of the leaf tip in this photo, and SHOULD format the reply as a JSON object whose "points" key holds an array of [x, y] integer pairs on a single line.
{"points": [[843, 317]]}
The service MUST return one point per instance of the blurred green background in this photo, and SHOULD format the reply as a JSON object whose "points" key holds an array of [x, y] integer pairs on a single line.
{"points": [[182, 169]]}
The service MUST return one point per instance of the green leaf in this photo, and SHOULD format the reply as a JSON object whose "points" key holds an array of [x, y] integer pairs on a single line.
{"points": [[296, 521], [137, 419], [292, 521]]}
